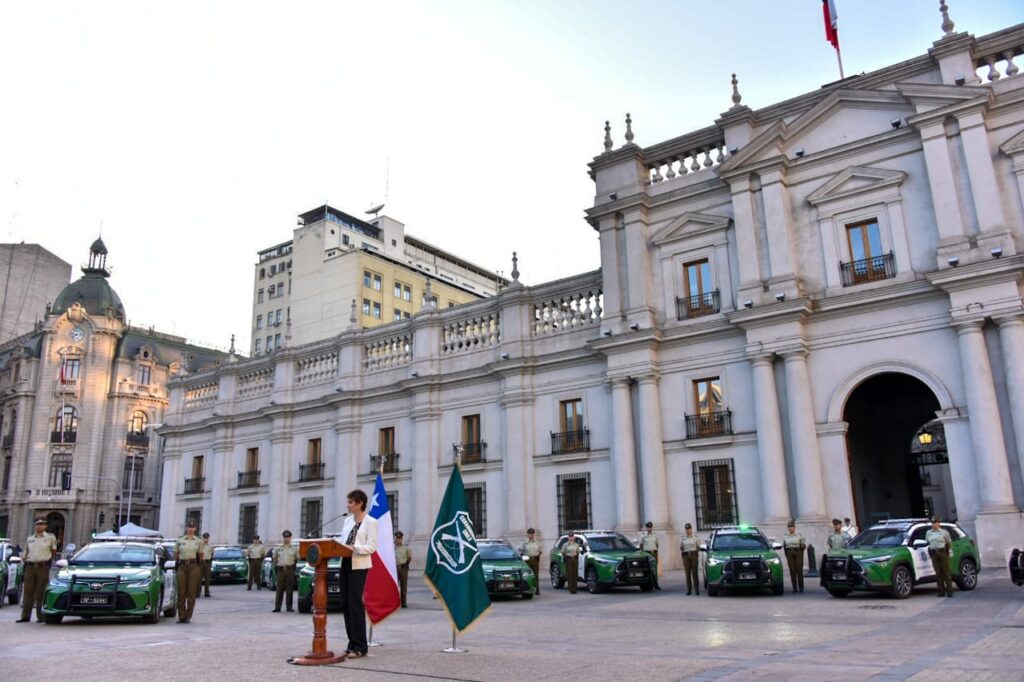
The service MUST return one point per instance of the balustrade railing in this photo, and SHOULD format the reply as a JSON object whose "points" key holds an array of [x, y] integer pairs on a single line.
{"points": [[63, 436], [136, 439], [194, 485], [568, 312], [691, 153], [248, 479], [392, 351], [311, 472], [868, 270], [316, 369], [474, 333], [202, 395], [709, 424], [256, 383], [570, 441], [707, 303], [994, 55]]}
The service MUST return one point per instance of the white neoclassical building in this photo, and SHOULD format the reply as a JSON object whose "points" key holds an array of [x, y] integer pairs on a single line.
{"points": [[807, 310]]}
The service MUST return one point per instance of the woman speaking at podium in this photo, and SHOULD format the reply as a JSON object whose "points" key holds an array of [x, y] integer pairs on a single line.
{"points": [[360, 533]]}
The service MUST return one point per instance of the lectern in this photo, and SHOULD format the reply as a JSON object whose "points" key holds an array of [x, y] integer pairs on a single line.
{"points": [[317, 552]]}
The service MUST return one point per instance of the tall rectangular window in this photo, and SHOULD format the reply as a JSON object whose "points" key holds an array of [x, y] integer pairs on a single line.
{"points": [[259, 322], [398, 290], [144, 375], [256, 346], [270, 343], [378, 282], [277, 316], [386, 446], [7, 472], [248, 517], [313, 453], [376, 310], [867, 263], [277, 341], [397, 315], [472, 445], [366, 306], [367, 279], [700, 296], [571, 414], [707, 395], [698, 278], [311, 516], [133, 468], [573, 492], [714, 487], [259, 296], [865, 240], [72, 366], [476, 501], [60, 463], [252, 459], [197, 466], [393, 506], [406, 292], [194, 514]]}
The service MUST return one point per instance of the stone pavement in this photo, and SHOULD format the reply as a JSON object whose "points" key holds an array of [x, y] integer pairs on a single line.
{"points": [[619, 635]]}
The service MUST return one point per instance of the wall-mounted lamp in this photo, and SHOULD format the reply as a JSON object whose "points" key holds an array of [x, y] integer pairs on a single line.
{"points": [[896, 123], [733, 149], [748, 303], [780, 297], [339, 390], [414, 374], [997, 252], [953, 261], [634, 326], [799, 151], [273, 402], [504, 356], [960, 80], [606, 332], [613, 196]]}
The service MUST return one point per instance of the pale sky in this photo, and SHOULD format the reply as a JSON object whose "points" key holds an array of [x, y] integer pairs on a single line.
{"points": [[195, 132]]}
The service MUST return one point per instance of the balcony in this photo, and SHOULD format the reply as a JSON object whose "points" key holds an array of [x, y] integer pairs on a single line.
{"points": [[472, 453], [707, 303], [63, 436], [709, 424], [8, 441], [570, 441], [871, 269], [66, 386], [194, 485], [311, 472], [247, 479], [137, 439], [390, 462]]}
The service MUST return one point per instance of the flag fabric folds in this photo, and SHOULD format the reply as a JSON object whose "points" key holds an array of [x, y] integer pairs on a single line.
{"points": [[831, 22], [381, 596], [454, 568]]}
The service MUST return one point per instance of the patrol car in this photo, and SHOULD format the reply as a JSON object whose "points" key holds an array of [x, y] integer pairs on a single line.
{"points": [[741, 557], [12, 572], [607, 559], [268, 576], [892, 557], [504, 569], [118, 577], [229, 564]]}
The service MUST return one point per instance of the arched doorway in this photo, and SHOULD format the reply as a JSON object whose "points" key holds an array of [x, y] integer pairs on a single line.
{"points": [[55, 525], [885, 414]]}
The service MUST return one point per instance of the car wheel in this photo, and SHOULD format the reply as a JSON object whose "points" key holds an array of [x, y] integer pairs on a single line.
{"points": [[305, 605], [527, 595], [593, 586], [902, 582], [154, 618], [778, 589], [838, 593], [52, 618], [712, 590], [967, 580], [647, 587], [557, 581], [3, 592]]}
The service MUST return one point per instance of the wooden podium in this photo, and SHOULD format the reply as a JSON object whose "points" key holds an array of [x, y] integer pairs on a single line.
{"points": [[317, 552]]}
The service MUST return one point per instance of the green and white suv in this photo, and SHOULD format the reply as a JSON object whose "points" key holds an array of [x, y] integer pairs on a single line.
{"points": [[12, 572], [504, 569], [607, 559], [741, 557], [229, 564], [892, 557]]}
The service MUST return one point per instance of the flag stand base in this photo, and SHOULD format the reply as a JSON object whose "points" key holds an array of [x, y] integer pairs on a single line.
{"points": [[453, 649], [369, 640]]}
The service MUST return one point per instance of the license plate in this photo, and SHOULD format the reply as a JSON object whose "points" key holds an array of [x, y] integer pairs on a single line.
{"points": [[225, 575], [636, 574], [94, 599], [506, 585], [838, 576], [334, 589], [748, 576]]}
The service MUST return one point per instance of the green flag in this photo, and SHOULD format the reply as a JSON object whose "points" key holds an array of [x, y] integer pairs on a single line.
{"points": [[454, 571]]}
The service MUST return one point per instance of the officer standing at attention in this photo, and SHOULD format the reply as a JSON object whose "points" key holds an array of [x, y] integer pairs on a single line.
{"points": [[571, 561], [532, 549], [255, 553], [940, 546], [649, 544], [189, 550], [42, 546], [837, 539], [403, 557], [206, 566], [794, 545], [284, 559], [689, 546]]}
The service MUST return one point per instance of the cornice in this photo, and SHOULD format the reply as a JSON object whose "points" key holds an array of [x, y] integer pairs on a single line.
{"points": [[796, 310], [993, 271]]}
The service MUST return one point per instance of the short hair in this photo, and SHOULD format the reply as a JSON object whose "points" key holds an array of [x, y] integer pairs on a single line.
{"points": [[836, 522], [206, 535], [530, 531], [847, 519], [286, 534], [359, 497]]}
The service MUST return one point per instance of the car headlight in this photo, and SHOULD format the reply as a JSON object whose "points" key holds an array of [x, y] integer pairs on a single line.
{"points": [[775, 560], [143, 582], [59, 581], [712, 561], [877, 559]]}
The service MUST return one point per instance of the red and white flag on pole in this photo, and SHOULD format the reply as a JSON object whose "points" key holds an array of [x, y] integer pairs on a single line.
{"points": [[381, 596], [831, 22]]}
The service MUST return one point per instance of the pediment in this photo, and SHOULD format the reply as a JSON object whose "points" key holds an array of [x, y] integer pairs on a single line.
{"points": [[690, 225], [1013, 146], [856, 180], [929, 98]]}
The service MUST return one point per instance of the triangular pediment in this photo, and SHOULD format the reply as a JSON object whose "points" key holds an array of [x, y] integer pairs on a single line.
{"points": [[690, 225], [856, 180], [931, 99], [1013, 146]]}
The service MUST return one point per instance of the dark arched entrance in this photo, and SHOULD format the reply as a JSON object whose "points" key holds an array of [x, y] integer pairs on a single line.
{"points": [[55, 525], [885, 414]]}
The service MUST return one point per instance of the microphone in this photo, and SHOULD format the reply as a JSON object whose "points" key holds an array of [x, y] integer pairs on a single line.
{"points": [[315, 533]]}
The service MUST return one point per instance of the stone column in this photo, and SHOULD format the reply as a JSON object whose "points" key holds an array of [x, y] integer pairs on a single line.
{"points": [[835, 469], [941, 180], [517, 461], [771, 456], [652, 455], [624, 457], [988, 200], [1011, 339], [427, 422], [986, 427], [277, 512], [219, 481], [746, 237], [779, 223], [810, 495], [170, 518]]}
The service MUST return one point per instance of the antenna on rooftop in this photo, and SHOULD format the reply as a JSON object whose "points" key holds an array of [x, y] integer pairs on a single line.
{"points": [[375, 209]]}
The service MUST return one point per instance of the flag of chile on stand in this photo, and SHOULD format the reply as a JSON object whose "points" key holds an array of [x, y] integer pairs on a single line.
{"points": [[381, 596], [831, 22]]}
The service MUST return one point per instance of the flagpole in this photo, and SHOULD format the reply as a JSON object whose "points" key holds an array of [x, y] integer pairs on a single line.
{"points": [[454, 648], [839, 57]]}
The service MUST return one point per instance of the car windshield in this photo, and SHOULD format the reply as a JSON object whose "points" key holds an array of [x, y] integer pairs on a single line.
{"points": [[227, 553], [112, 553], [730, 541], [605, 543], [878, 537], [492, 552]]}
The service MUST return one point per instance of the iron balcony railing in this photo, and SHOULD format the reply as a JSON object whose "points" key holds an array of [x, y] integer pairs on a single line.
{"points": [[8, 441], [709, 424], [868, 270], [472, 453], [311, 472], [194, 485], [137, 439], [248, 479], [63, 436], [707, 303], [570, 441], [390, 461]]}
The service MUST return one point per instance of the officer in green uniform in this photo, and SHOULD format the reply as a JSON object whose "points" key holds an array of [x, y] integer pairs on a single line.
{"points": [[284, 558], [940, 546], [206, 566], [532, 550], [255, 553], [403, 557], [571, 560], [689, 547], [188, 550], [40, 549], [649, 544], [794, 545], [836, 539]]}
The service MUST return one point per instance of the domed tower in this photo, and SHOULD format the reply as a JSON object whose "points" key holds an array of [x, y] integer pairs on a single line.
{"points": [[92, 291]]}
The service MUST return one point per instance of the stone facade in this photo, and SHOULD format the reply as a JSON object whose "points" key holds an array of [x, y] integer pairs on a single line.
{"points": [[32, 277]]}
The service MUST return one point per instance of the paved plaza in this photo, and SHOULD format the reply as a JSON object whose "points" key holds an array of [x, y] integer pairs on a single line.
{"points": [[621, 635]]}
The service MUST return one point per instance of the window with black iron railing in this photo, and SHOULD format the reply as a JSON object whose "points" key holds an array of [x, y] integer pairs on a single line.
{"points": [[248, 479], [714, 488], [137, 439], [871, 269], [385, 462], [470, 453], [709, 424], [570, 441], [8, 440], [311, 472], [194, 485], [707, 303]]}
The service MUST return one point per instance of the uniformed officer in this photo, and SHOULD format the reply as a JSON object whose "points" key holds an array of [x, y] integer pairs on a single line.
{"points": [[284, 558], [532, 549], [206, 566], [255, 553], [571, 560], [794, 545], [188, 550], [836, 539], [403, 557], [649, 544], [689, 547], [849, 529], [42, 546], [940, 547]]}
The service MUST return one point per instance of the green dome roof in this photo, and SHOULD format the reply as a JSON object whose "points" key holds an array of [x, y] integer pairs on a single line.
{"points": [[93, 293]]}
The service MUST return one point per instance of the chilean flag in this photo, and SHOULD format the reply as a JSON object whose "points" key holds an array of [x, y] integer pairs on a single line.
{"points": [[831, 22], [382, 596]]}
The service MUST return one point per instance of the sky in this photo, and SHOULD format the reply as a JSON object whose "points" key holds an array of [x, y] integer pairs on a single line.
{"points": [[193, 133]]}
